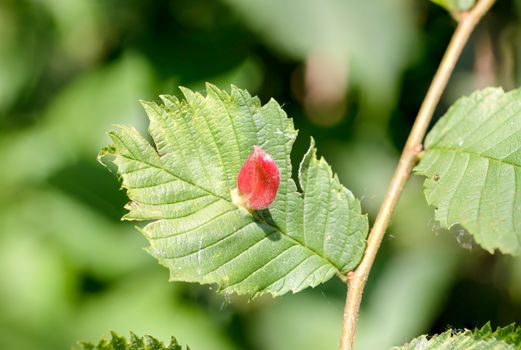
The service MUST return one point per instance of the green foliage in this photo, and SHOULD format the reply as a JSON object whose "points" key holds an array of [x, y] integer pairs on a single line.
{"points": [[455, 5], [135, 343], [507, 338], [184, 188], [308, 28], [69, 269], [472, 162]]}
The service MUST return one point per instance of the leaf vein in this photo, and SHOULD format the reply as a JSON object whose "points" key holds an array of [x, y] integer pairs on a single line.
{"points": [[450, 201], [458, 150], [171, 203], [258, 269], [288, 272], [241, 253], [309, 275], [174, 175], [497, 127], [217, 148], [325, 234], [155, 238], [202, 249]]}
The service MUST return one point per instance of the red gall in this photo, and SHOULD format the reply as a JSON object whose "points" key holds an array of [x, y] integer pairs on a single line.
{"points": [[258, 180]]}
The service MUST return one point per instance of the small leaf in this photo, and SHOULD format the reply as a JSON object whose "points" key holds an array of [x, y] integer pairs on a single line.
{"points": [[472, 162], [136, 343], [185, 190], [258, 180], [465, 5], [455, 6], [446, 4], [507, 338]]}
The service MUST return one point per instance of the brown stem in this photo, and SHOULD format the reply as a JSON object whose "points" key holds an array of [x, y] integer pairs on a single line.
{"points": [[408, 159]]}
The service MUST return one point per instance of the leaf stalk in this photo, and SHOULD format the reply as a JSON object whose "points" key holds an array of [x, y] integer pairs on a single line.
{"points": [[356, 280]]}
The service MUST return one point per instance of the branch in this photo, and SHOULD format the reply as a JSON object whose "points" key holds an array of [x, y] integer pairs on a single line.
{"points": [[408, 159]]}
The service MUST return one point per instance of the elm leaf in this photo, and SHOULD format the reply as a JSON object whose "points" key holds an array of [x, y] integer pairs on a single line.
{"points": [[183, 189], [135, 343], [506, 338], [472, 162], [455, 5]]}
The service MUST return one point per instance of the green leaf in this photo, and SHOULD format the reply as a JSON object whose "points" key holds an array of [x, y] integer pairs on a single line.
{"points": [[135, 343], [507, 338], [446, 4], [183, 189], [472, 162], [455, 5]]}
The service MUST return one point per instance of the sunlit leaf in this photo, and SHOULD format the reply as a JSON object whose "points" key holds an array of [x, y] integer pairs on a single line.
{"points": [[507, 338], [455, 5], [472, 163], [184, 187], [135, 343]]}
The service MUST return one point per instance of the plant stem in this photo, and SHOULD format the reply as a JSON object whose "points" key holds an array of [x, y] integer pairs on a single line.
{"points": [[408, 159]]}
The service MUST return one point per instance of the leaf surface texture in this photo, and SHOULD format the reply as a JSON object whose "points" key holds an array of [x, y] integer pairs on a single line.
{"points": [[183, 188], [507, 338], [472, 162], [135, 343]]}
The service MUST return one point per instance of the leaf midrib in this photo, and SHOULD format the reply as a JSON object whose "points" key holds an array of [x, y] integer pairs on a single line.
{"points": [[459, 150], [291, 239]]}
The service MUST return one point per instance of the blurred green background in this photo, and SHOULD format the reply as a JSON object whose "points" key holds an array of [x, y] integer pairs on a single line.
{"points": [[351, 73]]}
